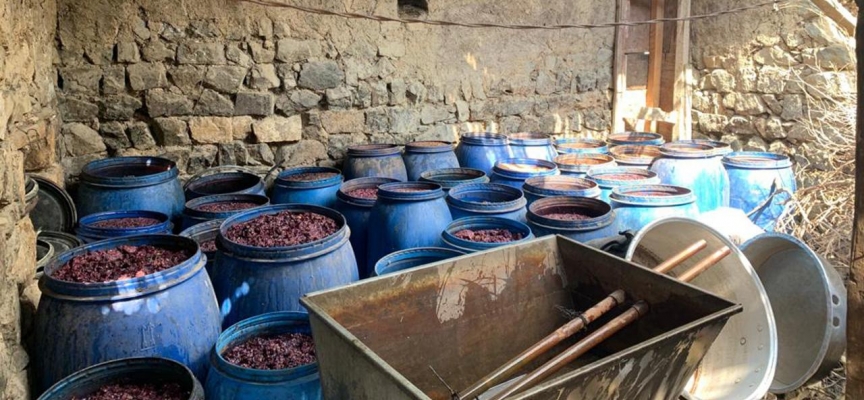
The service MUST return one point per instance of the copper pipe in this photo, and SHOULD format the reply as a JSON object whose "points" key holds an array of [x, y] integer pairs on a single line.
{"points": [[677, 259], [583, 346], [613, 300], [703, 265]]}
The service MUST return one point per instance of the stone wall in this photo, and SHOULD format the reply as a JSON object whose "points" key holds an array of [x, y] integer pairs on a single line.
{"points": [[211, 82], [28, 125]]}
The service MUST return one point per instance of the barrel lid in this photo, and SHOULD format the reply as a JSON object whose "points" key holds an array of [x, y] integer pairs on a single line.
{"points": [[61, 241], [756, 160], [635, 154], [55, 210], [687, 150]]}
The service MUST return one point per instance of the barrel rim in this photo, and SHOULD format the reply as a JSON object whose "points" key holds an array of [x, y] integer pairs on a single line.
{"points": [[449, 237], [578, 187], [634, 137], [485, 139], [472, 174], [191, 210], [581, 146], [757, 160], [281, 180], [384, 266], [430, 191], [361, 183], [517, 198], [374, 150], [127, 288], [526, 139], [90, 172], [444, 147], [206, 231], [629, 195], [564, 166], [682, 149], [635, 154], [194, 186], [596, 174], [501, 170], [720, 148], [606, 218], [86, 228]]}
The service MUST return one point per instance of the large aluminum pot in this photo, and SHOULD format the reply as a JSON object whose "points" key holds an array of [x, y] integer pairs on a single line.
{"points": [[741, 363]]}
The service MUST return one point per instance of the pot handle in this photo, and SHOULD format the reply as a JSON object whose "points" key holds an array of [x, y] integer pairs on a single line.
{"points": [[217, 170]]}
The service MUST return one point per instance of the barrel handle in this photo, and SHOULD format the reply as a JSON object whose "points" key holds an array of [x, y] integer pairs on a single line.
{"points": [[217, 170]]}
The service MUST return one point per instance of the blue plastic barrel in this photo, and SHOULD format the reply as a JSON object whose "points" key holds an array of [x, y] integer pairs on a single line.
{"points": [[553, 186], [515, 171], [229, 179], [356, 211], [203, 233], [581, 146], [577, 165], [407, 259], [639, 138], [761, 184], [406, 216], [482, 223], [317, 192], [611, 178], [228, 381], [251, 281], [487, 200], [579, 218], [697, 167], [171, 314], [638, 206], [425, 156], [532, 145], [635, 155], [449, 178], [89, 232], [138, 370], [482, 150], [193, 215], [375, 160], [130, 183], [720, 148]]}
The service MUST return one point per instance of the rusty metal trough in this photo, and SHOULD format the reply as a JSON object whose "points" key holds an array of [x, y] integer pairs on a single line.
{"points": [[466, 316]]}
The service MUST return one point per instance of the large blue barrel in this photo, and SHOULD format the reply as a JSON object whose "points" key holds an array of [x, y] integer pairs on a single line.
{"points": [[251, 281], [356, 210], [229, 179], [138, 370], [638, 206], [487, 200], [483, 223], [89, 231], [407, 259], [449, 178], [761, 184], [171, 314], [581, 146], [294, 186], [579, 218], [611, 178], [205, 235], [635, 155], [532, 145], [406, 215], [227, 381], [697, 167], [515, 171], [130, 183], [375, 160], [194, 215], [425, 156], [577, 165], [639, 138], [482, 150], [553, 186]]}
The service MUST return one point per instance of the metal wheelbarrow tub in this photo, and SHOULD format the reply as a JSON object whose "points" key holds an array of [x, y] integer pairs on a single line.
{"points": [[465, 316], [809, 302], [742, 361]]}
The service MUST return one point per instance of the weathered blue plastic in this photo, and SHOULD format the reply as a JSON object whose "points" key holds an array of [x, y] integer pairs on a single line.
{"points": [[201, 233], [638, 206], [553, 186], [375, 160], [581, 146], [599, 224], [607, 183], [508, 172], [227, 381], [577, 165], [487, 200], [193, 216], [478, 223], [251, 281], [754, 177], [356, 211], [171, 314], [133, 370], [130, 183], [697, 167], [532, 145], [720, 148], [406, 219], [632, 155], [482, 150], [318, 193], [451, 177], [641, 138], [420, 157], [89, 233], [233, 181], [411, 258]]}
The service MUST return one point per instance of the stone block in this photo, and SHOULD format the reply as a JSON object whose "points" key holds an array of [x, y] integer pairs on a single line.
{"points": [[835, 57], [749, 104], [722, 81], [241, 127], [254, 103], [339, 97], [276, 129], [774, 56], [772, 103], [120, 107], [403, 120], [431, 114], [304, 99], [162, 103], [772, 80], [158, 51], [81, 140], [740, 126], [172, 132], [711, 123], [262, 52], [233, 153], [347, 121], [188, 78], [226, 78], [114, 136], [377, 120], [139, 133], [769, 128], [113, 79], [147, 76], [416, 93], [81, 79], [260, 154], [238, 56], [127, 52], [799, 134], [380, 94], [293, 50], [213, 103], [201, 54], [76, 110], [264, 77], [202, 158], [463, 113], [304, 153], [828, 84], [211, 130], [398, 90], [747, 76], [320, 75], [793, 107]]}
